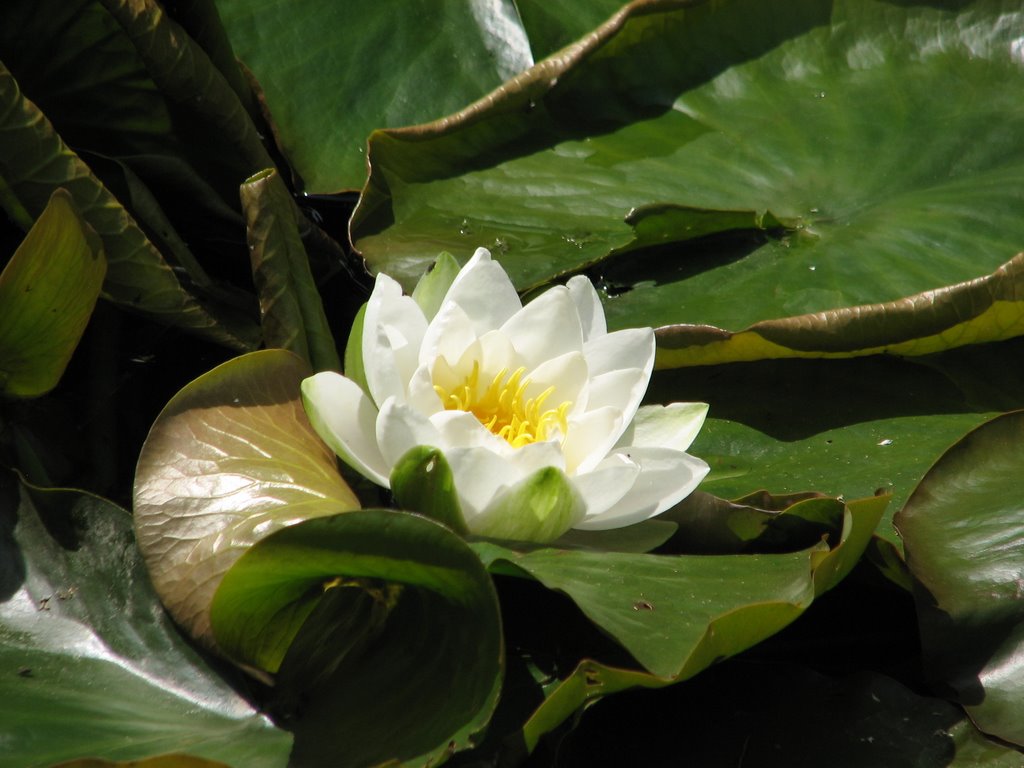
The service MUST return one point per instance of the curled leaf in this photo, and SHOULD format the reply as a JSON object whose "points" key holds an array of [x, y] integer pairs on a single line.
{"points": [[231, 458]]}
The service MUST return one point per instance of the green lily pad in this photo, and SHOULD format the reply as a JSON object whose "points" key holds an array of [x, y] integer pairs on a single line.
{"points": [[47, 294], [821, 114], [231, 458], [851, 427], [963, 529], [554, 24], [383, 628], [90, 665], [678, 614], [974, 312], [378, 66]]}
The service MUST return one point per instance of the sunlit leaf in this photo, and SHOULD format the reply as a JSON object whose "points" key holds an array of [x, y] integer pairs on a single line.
{"points": [[90, 665], [986, 309], [850, 427], [231, 458], [327, 97], [669, 117], [47, 294], [678, 614]]}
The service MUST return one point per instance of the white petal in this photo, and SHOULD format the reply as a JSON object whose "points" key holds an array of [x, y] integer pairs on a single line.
{"points": [[589, 438], [485, 292], [479, 476], [393, 330], [345, 419], [547, 327], [421, 395], [631, 348], [448, 335], [622, 390], [449, 375], [401, 428], [666, 478], [666, 426], [534, 456], [497, 353], [567, 374], [588, 305], [602, 488], [461, 429]]}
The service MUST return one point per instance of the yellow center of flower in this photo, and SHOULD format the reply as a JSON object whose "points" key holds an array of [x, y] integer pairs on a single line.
{"points": [[504, 409]]}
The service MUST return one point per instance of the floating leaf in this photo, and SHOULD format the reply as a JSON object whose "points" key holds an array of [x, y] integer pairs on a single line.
{"points": [[823, 114], [326, 98], [384, 628], [677, 615], [90, 665], [963, 529], [852, 427], [986, 309], [231, 458]]}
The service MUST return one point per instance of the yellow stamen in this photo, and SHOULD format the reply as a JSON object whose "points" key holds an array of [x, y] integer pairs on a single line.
{"points": [[502, 406]]}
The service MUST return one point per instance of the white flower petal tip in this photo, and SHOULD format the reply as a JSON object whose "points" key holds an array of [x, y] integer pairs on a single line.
{"points": [[588, 305], [666, 477], [670, 426], [345, 418], [535, 408]]}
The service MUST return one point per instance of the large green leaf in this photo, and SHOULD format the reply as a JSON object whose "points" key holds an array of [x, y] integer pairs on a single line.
{"points": [[231, 458], [672, 120], [553, 24], [47, 294], [331, 73], [384, 630], [677, 615], [986, 309], [963, 530], [90, 665], [35, 161], [850, 427]]}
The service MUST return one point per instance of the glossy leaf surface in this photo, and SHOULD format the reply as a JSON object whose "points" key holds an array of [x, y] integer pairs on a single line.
{"points": [[91, 665], [673, 122], [677, 615], [440, 57], [963, 529], [231, 458]]}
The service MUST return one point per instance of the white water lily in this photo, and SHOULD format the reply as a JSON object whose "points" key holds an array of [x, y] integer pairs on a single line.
{"points": [[536, 408]]}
